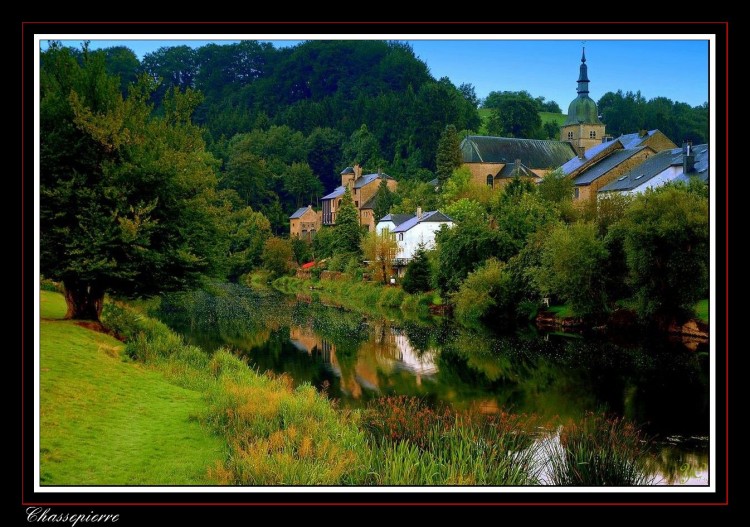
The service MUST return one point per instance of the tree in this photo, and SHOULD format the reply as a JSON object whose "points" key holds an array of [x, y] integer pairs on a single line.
{"points": [[418, 277], [466, 210], [248, 232], [665, 237], [384, 200], [515, 116], [348, 233], [555, 187], [324, 154], [123, 194], [300, 182], [484, 292], [449, 156], [379, 249], [571, 268], [363, 149], [277, 256]]}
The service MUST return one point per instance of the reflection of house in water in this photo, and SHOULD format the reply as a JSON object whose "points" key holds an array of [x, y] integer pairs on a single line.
{"points": [[386, 351]]}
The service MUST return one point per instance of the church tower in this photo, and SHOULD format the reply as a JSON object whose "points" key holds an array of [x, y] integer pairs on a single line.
{"points": [[582, 128]]}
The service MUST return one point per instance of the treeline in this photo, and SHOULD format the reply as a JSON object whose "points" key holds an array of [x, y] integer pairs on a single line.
{"points": [[629, 112]]}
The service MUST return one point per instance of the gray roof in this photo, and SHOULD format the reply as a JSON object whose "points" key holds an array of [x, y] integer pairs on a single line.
{"points": [[534, 153], [347, 170], [605, 165], [397, 219], [338, 191], [370, 203], [588, 155], [701, 169], [511, 170], [369, 178], [434, 182], [299, 212], [433, 216], [633, 140], [655, 165]]}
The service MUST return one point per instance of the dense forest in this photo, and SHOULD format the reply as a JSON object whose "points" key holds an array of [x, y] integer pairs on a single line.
{"points": [[283, 122]]}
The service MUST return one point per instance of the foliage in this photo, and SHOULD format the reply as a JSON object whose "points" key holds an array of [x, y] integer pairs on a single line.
{"points": [[300, 182], [379, 250], [460, 186], [348, 233], [127, 199], [302, 250], [384, 200], [418, 277], [571, 267], [518, 214], [485, 292], [324, 243], [466, 210], [629, 112], [449, 156], [665, 238], [555, 187], [514, 114], [412, 194], [278, 256], [463, 248]]}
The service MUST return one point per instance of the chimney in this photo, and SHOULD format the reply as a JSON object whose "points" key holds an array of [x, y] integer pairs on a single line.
{"points": [[517, 165], [380, 173], [357, 172], [688, 157], [419, 213], [642, 133], [581, 152]]}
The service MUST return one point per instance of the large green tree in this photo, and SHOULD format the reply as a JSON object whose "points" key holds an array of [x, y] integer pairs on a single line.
{"points": [[418, 277], [348, 232], [123, 194], [665, 238], [384, 200], [449, 156], [515, 116]]}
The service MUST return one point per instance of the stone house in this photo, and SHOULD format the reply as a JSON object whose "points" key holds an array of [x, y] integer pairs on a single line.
{"points": [[304, 223]]}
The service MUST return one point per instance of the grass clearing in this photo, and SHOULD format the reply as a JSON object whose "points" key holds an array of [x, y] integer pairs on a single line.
{"points": [[105, 421], [701, 310], [485, 113]]}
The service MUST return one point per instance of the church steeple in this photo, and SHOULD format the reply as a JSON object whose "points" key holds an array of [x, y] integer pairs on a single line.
{"points": [[583, 77], [582, 128]]}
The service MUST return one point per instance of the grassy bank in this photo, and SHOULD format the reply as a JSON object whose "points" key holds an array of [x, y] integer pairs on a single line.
{"points": [[363, 297], [701, 311], [105, 421]]}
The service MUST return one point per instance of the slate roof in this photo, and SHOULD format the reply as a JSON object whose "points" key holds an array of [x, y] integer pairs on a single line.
{"points": [[605, 165], [588, 155], [369, 178], [298, 213], [511, 170], [397, 219], [434, 182], [534, 153], [701, 169], [370, 203], [347, 170], [338, 191], [431, 216], [633, 140], [655, 165]]}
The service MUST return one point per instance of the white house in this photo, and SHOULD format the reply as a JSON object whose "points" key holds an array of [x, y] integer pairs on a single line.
{"points": [[413, 230], [661, 168]]}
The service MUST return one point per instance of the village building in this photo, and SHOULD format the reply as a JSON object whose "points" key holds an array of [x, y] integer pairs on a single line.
{"points": [[362, 188], [304, 223], [412, 231], [661, 168]]}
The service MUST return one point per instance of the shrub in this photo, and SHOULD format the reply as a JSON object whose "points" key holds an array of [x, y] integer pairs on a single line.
{"points": [[483, 292], [391, 297]]}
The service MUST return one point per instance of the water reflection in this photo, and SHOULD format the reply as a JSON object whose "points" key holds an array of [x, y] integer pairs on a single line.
{"points": [[661, 385]]}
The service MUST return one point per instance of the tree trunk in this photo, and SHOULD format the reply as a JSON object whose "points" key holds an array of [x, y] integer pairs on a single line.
{"points": [[85, 301]]}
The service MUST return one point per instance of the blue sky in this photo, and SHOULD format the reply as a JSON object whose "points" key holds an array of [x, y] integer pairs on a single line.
{"points": [[677, 69]]}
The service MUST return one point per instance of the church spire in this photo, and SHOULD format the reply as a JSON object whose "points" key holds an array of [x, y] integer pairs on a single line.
{"points": [[583, 77]]}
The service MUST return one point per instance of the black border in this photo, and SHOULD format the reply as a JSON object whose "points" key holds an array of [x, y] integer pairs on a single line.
{"points": [[202, 506]]}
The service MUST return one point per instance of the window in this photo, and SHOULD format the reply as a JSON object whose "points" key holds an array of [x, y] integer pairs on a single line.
{"points": [[356, 204], [576, 193], [490, 180], [570, 136], [592, 134], [400, 236]]}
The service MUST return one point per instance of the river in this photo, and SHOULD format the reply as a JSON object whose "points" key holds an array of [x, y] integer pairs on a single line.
{"points": [[659, 383]]}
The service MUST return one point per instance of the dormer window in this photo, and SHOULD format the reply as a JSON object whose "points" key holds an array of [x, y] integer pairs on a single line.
{"points": [[570, 136], [592, 134]]}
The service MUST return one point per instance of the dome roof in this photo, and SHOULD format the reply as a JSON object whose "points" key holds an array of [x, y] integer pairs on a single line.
{"points": [[582, 109]]}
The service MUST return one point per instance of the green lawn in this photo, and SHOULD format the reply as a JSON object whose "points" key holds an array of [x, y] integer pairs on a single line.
{"points": [[484, 115], [563, 311], [105, 421], [701, 310]]}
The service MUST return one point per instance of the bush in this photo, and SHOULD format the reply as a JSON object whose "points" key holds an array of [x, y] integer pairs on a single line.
{"points": [[483, 293], [391, 297], [277, 256], [417, 278]]}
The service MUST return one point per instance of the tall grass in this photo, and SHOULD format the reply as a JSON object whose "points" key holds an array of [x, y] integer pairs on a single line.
{"points": [[598, 451], [414, 444]]}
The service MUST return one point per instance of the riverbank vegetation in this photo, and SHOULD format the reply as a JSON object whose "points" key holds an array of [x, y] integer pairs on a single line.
{"points": [[271, 431]]}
